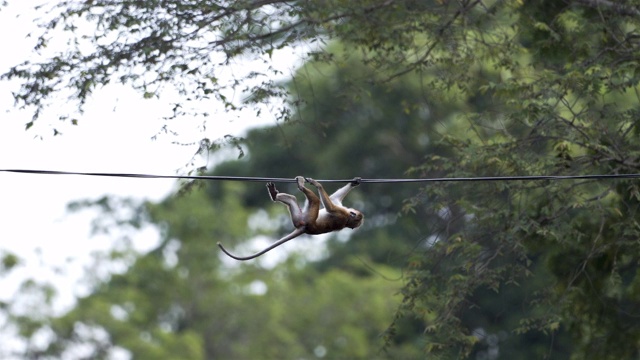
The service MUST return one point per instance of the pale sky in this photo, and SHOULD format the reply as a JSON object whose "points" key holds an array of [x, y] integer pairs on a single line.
{"points": [[114, 135]]}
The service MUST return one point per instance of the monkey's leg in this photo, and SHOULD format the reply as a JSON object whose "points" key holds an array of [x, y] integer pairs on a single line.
{"points": [[324, 197], [297, 215], [312, 205]]}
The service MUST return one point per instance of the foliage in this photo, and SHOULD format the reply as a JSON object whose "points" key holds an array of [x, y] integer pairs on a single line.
{"points": [[177, 301], [562, 99], [441, 88]]}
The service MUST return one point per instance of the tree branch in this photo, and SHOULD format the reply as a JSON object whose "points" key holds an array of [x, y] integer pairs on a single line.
{"points": [[621, 9]]}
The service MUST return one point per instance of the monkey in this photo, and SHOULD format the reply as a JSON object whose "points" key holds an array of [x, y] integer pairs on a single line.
{"points": [[311, 219]]}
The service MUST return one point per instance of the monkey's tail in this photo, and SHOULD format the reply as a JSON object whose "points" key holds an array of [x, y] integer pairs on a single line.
{"points": [[293, 235]]}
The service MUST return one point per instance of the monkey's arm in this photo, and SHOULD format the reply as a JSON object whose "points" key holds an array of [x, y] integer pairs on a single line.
{"points": [[297, 232], [340, 194]]}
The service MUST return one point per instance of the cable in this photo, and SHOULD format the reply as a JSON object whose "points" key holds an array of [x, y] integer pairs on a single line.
{"points": [[370, 181], [148, 176]]}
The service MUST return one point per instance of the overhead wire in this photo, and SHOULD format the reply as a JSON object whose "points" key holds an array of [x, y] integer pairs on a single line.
{"points": [[291, 180], [148, 176]]}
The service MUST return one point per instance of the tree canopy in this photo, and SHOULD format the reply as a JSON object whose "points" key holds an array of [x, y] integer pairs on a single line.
{"points": [[537, 269]]}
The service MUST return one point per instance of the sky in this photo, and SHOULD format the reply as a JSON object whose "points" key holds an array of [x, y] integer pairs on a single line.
{"points": [[114, 135]]}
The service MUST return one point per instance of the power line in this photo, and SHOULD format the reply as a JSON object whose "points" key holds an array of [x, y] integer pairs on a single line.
{"points": [[290, 180], [148, 176]]}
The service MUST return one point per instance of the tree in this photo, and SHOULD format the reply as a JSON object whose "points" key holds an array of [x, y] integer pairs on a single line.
{"points": [[547, 87], [562, 94], [180, 301]]}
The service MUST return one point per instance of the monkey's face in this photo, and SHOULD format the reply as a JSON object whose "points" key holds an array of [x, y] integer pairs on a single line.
{"points": [[355, 218]]}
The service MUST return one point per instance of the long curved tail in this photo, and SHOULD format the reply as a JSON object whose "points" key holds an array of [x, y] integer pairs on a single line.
{"points": [[293, 235]]}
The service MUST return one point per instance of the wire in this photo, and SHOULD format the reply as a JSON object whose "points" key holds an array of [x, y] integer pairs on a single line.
{"points": [[290, 180], [148, 176]]}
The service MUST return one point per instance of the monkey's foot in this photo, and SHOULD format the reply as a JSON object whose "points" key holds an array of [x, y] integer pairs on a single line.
{"points": [[313, 182], [300, 180], [273, 192]]}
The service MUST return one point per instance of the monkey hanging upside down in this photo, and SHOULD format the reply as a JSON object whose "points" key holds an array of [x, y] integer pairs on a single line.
{"points": [[311, 219]]}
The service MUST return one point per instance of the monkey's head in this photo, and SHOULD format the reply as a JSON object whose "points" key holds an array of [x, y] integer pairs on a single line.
{"points": [[355, 218]]}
